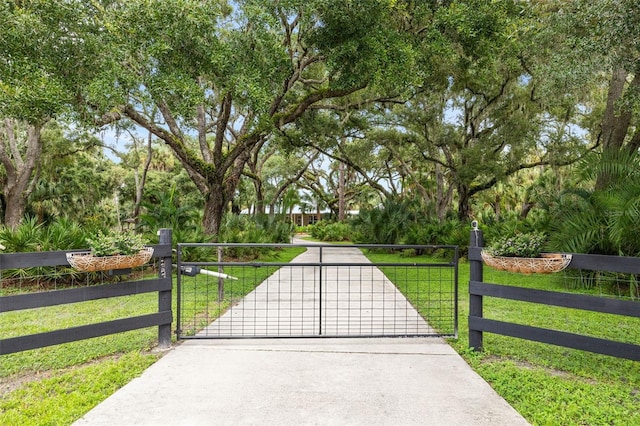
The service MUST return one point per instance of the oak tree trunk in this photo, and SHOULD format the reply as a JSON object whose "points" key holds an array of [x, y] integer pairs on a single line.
{"points": [[20, 153]]}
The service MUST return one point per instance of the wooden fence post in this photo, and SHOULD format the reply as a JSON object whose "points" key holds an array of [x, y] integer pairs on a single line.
{"points": [[164, 297], [475, 301]]}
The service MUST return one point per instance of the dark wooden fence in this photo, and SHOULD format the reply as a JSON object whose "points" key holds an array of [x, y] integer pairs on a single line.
{"points": [[479, 289], [162, 285]]}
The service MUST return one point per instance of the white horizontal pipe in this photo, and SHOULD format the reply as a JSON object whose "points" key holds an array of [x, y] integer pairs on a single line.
{"points": [[216, 274]]}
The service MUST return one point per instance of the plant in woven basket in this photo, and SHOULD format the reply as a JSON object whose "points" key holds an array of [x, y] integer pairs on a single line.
{"points": [[122, 243], [519, 245], [522, 253], [123, 250]]}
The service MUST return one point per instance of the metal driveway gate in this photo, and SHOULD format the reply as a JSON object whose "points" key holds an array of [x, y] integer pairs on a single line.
{"points": [[327, 291]]}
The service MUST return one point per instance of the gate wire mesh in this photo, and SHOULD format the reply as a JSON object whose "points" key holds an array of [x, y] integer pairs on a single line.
{"points": [[327, 291]]}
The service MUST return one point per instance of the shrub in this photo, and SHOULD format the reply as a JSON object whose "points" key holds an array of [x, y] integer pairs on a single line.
{"points": [[449, 232], [275, 229], [24, 238], [330, 231], [255, 229], [384, 225], [31, 235], [519, 245], [124, 243], [64, 234], [261, 229], [600, 220]]}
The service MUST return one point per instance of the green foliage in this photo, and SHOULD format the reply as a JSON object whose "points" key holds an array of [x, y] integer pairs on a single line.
{"points": [[260, 229], [601, 220], [196, 235], [60, 235], [407, 222], [32, 235], [384, 225], [75, 179], [278, 228], [330, 231], [47, 65], [509, 224], [519, 245], [427, 233], [362, 44], [110, 244], [166, 209], [432, 231], [26, 237], [255, 229], [63, 234]]}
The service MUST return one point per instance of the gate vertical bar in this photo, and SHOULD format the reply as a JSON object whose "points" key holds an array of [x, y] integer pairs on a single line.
{"points": [[220, 279], [164, 297], [475, 301], [179, 291], [455, 291], [320, 298]]}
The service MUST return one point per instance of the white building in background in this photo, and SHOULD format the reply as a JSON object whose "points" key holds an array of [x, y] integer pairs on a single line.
{"points": [[300, 218]]}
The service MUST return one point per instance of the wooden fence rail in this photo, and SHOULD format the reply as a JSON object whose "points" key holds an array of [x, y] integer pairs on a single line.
{"points": [[162, 285], [478, 289]]}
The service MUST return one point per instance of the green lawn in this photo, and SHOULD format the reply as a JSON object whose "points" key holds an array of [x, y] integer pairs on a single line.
{"points": [[200, 304], [56, 385], [551, 385]]}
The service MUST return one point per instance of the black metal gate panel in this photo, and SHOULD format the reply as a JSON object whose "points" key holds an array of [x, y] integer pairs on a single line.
{"points": [[327, 291]]}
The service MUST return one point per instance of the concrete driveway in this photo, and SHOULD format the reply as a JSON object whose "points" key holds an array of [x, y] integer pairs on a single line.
{"points": [[307, 381]]}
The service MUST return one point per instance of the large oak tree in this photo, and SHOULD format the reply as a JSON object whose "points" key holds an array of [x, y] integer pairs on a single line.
{"points": [[214, 80]]}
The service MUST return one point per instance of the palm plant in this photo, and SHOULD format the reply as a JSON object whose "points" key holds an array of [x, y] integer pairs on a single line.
{"points": [[386, 224], [64, 234], [24, 238], [601, 220], [32, 235], [165, 211]]}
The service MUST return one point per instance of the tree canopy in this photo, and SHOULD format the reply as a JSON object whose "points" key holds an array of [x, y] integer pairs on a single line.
{"points": [[438, 101]]}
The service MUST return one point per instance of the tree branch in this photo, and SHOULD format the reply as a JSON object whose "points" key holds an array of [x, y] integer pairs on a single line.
{"points": [[354, 166], [13, 144], [221, 125], [295, 178], [195, 167], [4, 156], [312, 98], [168, 118], [201, 118]]}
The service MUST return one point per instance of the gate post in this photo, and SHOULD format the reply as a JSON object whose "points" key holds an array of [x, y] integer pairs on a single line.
{"points": [[475, 274], [164, 297]]}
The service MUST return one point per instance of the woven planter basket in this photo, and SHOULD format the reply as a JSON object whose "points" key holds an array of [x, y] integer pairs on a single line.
{"points": [[548, 263], [86, 262]]}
